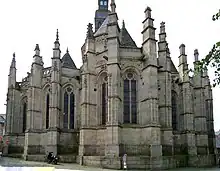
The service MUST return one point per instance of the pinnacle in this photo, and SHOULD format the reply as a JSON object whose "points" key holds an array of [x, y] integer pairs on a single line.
{"points": [[89, 31], [113, 6], [123, 24], [37, 47], [57, 35]]}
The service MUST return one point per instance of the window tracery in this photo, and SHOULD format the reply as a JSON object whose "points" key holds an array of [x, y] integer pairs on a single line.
{"points": [[68, 108], [130, 97]]}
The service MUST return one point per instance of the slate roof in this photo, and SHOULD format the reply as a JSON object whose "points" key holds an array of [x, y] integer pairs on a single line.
{"points": [[2, 118], [67, 61], [173, 68], [126, 39], [217, 136], [103, 28]]}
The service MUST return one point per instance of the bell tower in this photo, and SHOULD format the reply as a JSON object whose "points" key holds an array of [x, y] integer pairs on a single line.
{"points": [[101, 13]]}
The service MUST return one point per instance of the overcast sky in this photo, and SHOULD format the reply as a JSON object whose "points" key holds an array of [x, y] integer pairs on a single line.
{"points": [[25, 23]]}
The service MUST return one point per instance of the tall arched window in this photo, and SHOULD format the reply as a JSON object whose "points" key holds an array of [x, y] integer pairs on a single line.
{"points": [[130, 98], [104, 100], [69, 108], [47, 110], [24, 115], [103, 97], [174, 110]]}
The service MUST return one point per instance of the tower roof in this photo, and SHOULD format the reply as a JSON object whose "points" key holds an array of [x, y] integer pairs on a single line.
{"points": [[67, 61]]}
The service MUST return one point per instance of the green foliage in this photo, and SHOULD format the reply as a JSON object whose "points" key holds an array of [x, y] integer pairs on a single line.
{"points": [[211, 60], [216, 16]]}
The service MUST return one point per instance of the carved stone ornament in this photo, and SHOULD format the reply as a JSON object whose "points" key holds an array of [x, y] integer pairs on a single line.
{"points": [[85, 81], [84, 58], [55, 66]]}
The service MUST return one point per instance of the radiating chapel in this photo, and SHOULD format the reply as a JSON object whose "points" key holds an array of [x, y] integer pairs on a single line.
{"points": [[124, 99]]}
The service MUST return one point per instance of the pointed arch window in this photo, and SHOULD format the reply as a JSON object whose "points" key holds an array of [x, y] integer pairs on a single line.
{"points": [[69, 108], [24, 106], [174, 110], [130, 98], [47, 110], [104, 100]]}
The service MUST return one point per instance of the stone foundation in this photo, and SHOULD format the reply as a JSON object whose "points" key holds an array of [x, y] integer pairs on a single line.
{"points": [[146, 162], [35, 149], [62, 158], [16, 144]]}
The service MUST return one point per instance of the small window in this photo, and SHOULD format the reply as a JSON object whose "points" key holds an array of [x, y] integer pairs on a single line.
{"points": [[101, 2], [105, 3]]}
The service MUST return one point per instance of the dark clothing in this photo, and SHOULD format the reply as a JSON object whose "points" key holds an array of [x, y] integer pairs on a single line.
{"points": [[50, 155]]}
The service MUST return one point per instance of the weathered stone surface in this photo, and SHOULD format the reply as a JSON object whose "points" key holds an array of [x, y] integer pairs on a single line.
{"points": [[123, 100]]}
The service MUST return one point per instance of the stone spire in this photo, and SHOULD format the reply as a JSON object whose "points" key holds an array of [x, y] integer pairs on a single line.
{"points": [[37, 50], [57, 43], [147, 12], [113, 6], [123, 24], [162, 37], [13, 62], [149, 41], [183, 66], [37, 57], [196, 55], [89, 34]]}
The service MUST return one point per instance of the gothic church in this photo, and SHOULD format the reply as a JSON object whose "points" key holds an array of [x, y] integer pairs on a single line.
{"points": [[123, 99]]}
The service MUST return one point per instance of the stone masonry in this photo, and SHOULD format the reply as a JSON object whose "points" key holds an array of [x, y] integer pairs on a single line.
{"points": [[123, 99]]}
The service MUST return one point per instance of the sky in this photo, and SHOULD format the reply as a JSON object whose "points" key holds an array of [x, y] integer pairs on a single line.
{"points": [[25, 23]]}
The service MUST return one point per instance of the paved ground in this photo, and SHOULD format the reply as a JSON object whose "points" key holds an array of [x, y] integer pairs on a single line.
{"points": [[9, 162]]}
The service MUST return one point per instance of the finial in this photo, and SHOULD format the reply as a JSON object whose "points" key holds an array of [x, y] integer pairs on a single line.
{"points": [[89, 31], [123, 24], [196, 54], [113, 6], [182, 49], [37, 48], [162, 27], [14, 55], [67, 51], [57, 35], [148, 12]]}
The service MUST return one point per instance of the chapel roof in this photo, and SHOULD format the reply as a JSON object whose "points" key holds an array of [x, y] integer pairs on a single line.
{"points": [[125, 38], [67, 61]]}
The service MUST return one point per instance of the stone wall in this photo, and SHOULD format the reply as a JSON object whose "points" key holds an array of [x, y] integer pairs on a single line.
{"points": [[16, 143], [36, 143], [69, 143]]}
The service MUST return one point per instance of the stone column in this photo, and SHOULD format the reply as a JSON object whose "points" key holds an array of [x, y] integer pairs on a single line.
{"points": [[187, 116], [89, 117], [149, 115], [53, 134], [165, 106], [112, 140], [199, 111], [34, 113]]}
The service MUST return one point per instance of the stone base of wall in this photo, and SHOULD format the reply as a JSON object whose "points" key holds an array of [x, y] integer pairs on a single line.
{"points": [[147, 162], [35, 149], [202, 160], [100, 161], [41, 158], [16, 143]]}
